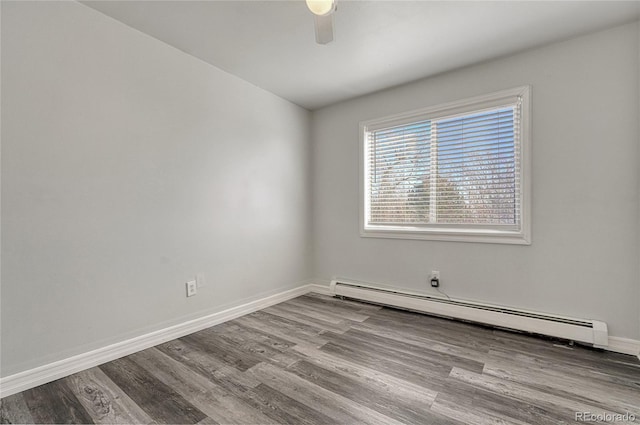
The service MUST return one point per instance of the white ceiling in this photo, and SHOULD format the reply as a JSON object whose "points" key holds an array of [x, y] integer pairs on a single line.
{"points": [[378, 44]]}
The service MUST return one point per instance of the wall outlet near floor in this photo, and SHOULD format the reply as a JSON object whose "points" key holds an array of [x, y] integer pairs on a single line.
{"points": [[192, 288], [435, 278]]}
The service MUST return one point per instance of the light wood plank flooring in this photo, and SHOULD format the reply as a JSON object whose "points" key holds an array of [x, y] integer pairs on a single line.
{"points": [[320, 360]]}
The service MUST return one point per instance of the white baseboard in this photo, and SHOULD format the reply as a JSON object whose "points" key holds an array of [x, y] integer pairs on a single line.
{"points": [[50, 372], [320, 288], [624, 346]]}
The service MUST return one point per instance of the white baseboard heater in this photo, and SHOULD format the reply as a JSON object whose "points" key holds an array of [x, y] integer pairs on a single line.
{"points": [[591, 332]]}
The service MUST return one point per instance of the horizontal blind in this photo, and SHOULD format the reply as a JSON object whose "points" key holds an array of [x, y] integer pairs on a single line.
{"points": [[399, 159], [476, 162], [461, 170]]}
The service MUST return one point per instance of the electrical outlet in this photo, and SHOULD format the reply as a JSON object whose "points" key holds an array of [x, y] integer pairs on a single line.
{"points": [[435, 278], [192, 288], [200, 280]]}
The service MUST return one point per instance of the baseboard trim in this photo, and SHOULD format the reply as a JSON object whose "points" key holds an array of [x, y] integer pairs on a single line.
{"points": [[319, 288], [50, 372], [624, 346]]}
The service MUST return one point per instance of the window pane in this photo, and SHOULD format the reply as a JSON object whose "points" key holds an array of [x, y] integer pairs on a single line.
{"points": [[458, 170], [476, 169], [399, 163]]}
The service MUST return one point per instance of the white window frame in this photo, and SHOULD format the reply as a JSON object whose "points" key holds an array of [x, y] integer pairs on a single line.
{"points": [[455, 233]]}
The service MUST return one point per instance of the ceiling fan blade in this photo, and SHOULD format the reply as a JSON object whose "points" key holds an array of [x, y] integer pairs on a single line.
{"points": [[324, 28]]}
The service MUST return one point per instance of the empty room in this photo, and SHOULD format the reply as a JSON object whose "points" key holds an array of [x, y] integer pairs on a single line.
{"points": [[320, 212]]}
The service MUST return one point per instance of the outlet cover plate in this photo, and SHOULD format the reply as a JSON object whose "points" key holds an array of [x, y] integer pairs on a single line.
{"points": [[192, 288]]}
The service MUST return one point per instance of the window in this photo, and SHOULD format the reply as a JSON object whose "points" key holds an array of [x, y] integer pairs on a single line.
{"points": [[456, 172]]}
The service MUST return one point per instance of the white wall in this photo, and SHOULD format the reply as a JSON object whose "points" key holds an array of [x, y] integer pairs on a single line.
{"points": [[584, 258], [127, 167]]}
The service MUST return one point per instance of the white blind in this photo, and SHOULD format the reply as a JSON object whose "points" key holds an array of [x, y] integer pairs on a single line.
{"points": [[459, 170]]}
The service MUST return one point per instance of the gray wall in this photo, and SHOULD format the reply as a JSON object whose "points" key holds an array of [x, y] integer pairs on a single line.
{"points": [[127, 167], [584, 258]]}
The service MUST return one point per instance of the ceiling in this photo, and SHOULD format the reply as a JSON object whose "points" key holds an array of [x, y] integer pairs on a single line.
{"points": [[378, 44]]}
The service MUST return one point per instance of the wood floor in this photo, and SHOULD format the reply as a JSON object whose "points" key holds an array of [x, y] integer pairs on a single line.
{"points": [[319, 360]]}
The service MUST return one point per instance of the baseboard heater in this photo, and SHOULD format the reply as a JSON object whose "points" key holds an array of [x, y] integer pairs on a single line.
{"points": [[591, 332]]}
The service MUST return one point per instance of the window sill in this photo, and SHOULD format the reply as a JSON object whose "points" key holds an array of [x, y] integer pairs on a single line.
{"points": [[451, 235]]}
